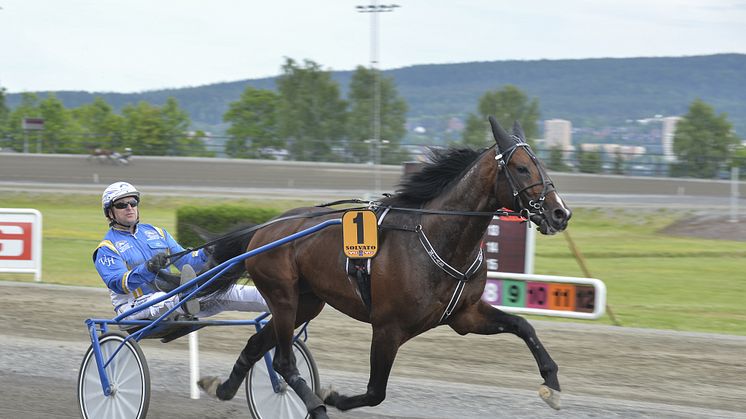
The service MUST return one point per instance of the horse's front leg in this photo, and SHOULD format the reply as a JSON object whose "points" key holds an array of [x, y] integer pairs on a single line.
{"points": [[384, 346], [482, 318]]}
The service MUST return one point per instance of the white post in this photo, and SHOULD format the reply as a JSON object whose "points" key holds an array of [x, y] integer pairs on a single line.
{"points": [[734, 194], [193, 365], [528, 265]]}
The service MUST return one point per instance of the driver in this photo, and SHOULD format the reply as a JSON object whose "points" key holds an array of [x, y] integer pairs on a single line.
{"points": [[132, 253]]}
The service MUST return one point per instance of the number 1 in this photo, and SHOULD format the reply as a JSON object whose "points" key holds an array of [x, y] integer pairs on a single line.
{"points": [[360, 231]]}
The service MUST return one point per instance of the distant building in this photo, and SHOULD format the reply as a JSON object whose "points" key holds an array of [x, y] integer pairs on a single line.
{"points": [[455, 124], [626, 151], [558, 134], [667, 134]]}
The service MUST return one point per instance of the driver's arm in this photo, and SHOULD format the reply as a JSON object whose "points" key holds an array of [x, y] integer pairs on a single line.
{"points": [[113, 270]]}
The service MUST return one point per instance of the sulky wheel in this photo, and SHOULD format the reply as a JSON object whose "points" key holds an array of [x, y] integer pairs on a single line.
{"points": [[129, 378], [265, 403]]}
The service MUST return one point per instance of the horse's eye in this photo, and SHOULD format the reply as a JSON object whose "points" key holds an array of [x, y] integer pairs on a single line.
{"points": [[523, 170]]}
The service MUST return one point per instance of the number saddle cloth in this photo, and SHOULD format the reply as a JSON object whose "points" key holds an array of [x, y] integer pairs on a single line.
{"points": [[359, 269]]}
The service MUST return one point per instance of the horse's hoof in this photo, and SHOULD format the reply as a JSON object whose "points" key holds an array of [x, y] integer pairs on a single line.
{"points": [[551, 397], [319, 413], [328, 395], [325, 392], [209, 385]]}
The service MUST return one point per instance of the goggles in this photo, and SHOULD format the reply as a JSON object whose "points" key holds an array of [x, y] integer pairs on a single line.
{"points": [[122, 205]]}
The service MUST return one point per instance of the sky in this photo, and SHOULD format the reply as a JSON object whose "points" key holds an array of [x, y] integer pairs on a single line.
{"points": [[138, 45]]}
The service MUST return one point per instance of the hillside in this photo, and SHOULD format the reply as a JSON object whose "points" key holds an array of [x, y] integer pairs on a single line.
{"points": [[589, 92]]}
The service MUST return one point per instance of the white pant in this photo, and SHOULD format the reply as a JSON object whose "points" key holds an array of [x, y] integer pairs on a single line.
{"points": [[236, 298]]}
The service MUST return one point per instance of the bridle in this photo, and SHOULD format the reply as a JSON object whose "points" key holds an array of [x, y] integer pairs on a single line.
{"points": [[533, 207]]}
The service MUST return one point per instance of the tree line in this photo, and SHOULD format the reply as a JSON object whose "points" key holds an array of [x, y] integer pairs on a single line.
{"points": [[307, 118], [148, 129]]}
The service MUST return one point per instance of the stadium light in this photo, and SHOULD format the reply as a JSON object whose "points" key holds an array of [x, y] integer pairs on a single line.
{"points": [[375, 143]]}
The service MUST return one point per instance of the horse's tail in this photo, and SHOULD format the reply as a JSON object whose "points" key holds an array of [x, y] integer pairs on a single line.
{"points": [[222, 251]]}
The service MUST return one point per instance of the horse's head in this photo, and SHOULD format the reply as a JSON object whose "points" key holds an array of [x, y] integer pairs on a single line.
{"points": [[532, 191]]}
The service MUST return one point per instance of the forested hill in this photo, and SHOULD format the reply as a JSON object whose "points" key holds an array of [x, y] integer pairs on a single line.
{"points": [[589, 92]]}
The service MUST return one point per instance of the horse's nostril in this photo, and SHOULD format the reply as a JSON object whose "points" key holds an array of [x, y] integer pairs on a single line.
{"points": [[560, 214]]}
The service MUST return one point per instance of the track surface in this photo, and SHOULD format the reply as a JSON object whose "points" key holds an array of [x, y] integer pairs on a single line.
{"points": [[605, 371]]}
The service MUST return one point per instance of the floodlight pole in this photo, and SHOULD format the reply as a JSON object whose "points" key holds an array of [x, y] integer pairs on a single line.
{"points": [[734, 194], [375, 143]]}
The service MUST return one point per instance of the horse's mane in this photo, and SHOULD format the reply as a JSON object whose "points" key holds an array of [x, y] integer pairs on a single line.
{"points": [[446, 165]]}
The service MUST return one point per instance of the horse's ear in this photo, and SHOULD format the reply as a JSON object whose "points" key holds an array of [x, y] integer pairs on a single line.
{"points": [[518, 131], [503, 140]]}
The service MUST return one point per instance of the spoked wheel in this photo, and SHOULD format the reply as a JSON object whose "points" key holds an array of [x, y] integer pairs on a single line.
{"points": [[264, 403], [129, 377]]}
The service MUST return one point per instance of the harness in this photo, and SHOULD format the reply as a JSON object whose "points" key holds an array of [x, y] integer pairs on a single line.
{"points": [[360, 270], [462, 277], [534, 207], [450, 270]]}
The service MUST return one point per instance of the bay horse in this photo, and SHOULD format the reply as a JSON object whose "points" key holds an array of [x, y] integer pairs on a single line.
{"points": [[427, 273]]}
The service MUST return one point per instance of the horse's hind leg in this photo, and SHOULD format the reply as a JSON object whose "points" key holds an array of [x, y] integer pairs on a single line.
{"points": [[484, 319], [255, 348], [284, 360], [384, 347]]}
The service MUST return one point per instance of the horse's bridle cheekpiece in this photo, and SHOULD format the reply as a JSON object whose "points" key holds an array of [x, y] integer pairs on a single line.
{"points": [[533, 207]]}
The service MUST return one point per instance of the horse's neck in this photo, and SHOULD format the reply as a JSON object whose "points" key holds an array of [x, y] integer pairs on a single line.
{"points": [[475, 192]]}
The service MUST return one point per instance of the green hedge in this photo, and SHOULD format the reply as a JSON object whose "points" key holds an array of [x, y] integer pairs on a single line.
{"points": [[218, 219]]}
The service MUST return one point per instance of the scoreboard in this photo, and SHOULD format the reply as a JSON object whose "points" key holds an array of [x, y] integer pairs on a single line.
{"points": [[547, 295], [509, 245]]}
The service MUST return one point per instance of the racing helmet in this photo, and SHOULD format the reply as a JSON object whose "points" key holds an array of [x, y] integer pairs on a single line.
{"points": [[115, 191]]}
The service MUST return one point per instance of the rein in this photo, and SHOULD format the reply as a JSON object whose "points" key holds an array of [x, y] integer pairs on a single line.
{"points": [[237, 233], [377, 204], [371, 204], [534, 208]]}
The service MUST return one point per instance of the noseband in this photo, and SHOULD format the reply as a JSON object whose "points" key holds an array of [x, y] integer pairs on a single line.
{"points": [[534, 207]]}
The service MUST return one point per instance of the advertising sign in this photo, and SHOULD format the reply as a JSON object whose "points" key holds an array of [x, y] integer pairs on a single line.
{"points": [[20, 241], [33, 124]]}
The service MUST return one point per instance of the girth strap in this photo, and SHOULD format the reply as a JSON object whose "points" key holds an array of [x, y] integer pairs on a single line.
{"points": [[359, 272]]}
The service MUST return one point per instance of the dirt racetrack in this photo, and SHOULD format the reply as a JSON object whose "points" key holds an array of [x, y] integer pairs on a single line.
{"points": [[684, 374]]}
